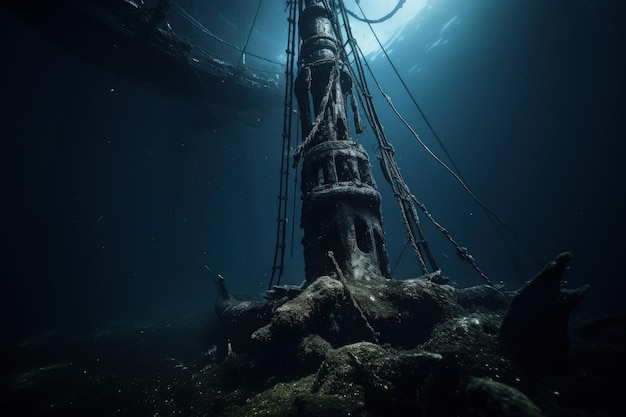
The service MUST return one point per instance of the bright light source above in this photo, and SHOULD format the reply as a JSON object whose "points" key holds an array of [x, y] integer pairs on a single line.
{"points": [[387, 31]]}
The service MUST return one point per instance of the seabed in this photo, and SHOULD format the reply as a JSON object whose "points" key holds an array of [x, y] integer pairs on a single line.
{"points": [[438, 351]]}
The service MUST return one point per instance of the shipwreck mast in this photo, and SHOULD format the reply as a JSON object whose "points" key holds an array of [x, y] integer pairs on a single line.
{"points": [[341, 210]]}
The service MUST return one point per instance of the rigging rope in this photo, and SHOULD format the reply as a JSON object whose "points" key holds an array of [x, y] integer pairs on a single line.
{"points": [[382, 19], [491, 215], [461, 251], [245, 45], [190, 19], [320, 116], [389, 166], [278, 265], [406, 200], [184, 56]]}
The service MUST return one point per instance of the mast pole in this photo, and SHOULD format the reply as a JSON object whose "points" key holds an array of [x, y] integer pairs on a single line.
{"points": [[341, 205]]}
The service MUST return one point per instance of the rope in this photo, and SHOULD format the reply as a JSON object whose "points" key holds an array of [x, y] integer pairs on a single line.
{"points": [[458, 177], [461, 250], [382, 19], [388, 164], [283, 193], [318, 119], [419, 109], [190, 19], [392, 173], [395, 265], [356, 305], [245, 45]]}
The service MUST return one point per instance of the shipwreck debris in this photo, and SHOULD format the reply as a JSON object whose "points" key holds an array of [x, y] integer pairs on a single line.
{"points": [[535, 328]]}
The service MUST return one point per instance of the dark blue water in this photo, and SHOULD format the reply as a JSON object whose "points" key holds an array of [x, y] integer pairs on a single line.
{"points": [[112, 201], [526, 98]]}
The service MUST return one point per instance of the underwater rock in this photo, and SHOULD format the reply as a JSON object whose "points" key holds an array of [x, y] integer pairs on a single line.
{"points": [[237, 311], [314, 405], [237, 371], [482, 296], [535, 328], [278, 400], [237, 319], [304, 314], [238, 316], [389, 380], [312, 351], [402, 313], [488, 398], [469, 347]]}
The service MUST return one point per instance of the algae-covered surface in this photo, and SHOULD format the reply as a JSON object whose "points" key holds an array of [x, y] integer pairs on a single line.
{"points": [[167, 369]]}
